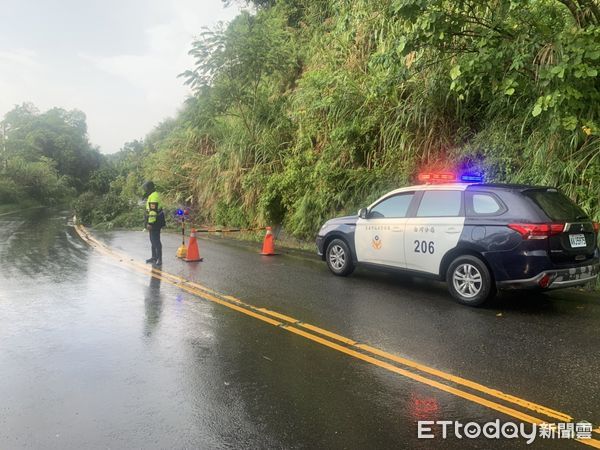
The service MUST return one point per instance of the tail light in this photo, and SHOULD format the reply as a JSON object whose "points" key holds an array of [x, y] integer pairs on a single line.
{"points": [[537, 230], [596, 227]]}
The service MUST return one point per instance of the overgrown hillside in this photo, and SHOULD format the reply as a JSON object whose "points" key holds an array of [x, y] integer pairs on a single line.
{"points": [[303, 109], [45, 158]]}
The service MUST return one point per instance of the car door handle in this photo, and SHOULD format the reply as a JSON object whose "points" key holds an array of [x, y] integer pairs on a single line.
{"points": [[452, 230], [397, 229]]}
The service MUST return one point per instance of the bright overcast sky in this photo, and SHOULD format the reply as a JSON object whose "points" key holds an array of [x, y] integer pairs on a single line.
{"points": [[116, 60]]}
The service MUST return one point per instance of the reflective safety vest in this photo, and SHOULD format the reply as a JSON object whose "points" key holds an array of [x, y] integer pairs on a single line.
{"points": [[154, 210]]}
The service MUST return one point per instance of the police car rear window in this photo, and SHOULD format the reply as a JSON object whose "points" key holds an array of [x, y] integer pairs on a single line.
{"points": [[557, 206], [485, 204], [440, 204]]}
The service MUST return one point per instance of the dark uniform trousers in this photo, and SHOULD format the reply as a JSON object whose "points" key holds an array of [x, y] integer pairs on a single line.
{"points": [[155, 243]]}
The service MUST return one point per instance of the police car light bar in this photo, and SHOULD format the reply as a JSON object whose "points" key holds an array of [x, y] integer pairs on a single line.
{"points": [[437, 177], [471, 178]]}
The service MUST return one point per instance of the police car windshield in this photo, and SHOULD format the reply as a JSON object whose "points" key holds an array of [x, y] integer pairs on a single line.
{"points": [[557, 206]]}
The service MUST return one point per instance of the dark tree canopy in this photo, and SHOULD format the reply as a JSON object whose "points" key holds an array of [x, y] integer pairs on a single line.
{"points": [[54, 142]]}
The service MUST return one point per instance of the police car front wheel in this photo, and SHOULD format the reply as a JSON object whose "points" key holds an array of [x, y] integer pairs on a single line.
{"points": [[470, 281], [339, 258]]}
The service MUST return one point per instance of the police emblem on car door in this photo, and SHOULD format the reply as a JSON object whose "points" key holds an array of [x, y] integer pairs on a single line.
{"points": [[376, 242], [379, 238]]}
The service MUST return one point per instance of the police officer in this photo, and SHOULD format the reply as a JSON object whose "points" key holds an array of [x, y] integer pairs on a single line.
{"points": [[155, 220]]}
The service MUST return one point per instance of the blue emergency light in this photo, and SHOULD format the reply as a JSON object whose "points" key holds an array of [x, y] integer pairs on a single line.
{"points": [[449, 177], [471, 178]]}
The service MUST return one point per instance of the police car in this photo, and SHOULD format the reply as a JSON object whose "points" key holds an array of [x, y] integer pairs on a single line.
{"points": [[477, 237]]}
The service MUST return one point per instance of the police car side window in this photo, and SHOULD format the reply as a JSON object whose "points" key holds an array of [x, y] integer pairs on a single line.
{"points": [[440, 204], [392, 207], [485, 204]]}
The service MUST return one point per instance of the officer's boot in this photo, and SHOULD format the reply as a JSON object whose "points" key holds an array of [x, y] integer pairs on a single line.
{"points": [[158, 260], [153, 259]]}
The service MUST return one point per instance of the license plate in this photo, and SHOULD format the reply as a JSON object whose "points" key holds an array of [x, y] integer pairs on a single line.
{"points": [[577, 240]]}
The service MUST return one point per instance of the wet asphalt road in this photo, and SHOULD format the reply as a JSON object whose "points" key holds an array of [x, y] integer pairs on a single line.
{"points": [[94, 355]]}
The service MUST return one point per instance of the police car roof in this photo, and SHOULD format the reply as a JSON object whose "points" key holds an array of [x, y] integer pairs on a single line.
{"points": [[458, 187], [433, 187], [464, 186], [506, 186]]}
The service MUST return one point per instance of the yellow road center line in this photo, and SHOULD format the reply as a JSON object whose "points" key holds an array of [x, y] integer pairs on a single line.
{"points": [[591, 442], [458, 380], [271, 313], [335, 336], [421, 379], [473, 385], [201, 291], [455, 379]]}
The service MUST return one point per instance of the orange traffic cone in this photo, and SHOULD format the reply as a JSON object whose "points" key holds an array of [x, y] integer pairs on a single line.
{"points": [[268, 244], [193, 254]]}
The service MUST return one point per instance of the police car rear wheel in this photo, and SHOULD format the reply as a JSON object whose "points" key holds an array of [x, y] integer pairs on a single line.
{"points": [[339, 258], [470, 281]]}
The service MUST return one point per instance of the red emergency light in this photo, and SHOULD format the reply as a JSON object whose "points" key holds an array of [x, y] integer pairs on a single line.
{"points": [[437, 177]]}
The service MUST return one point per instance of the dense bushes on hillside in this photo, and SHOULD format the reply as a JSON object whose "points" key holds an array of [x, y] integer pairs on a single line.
{"points": [[305, 109], [46, 157]]}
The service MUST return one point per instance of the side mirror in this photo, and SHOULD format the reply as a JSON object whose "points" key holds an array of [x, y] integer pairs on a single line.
{"points": [[362, 213]]}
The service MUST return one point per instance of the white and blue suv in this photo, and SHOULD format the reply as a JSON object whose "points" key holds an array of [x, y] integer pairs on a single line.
{"points": [[476, 237]]}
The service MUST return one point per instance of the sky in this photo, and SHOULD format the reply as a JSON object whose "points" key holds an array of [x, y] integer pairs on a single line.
{"points": [[115, 60]]}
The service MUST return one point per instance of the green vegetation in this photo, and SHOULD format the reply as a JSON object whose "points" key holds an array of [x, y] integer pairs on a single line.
{"points": [[114, 190], [303, 110], [46, 158]]}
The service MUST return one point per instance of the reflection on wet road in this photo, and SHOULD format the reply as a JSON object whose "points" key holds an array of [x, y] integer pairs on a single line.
{"points": [[96, 355]]}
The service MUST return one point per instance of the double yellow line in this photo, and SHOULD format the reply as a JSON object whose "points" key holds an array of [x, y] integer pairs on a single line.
{"points": [[458, 386]]}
